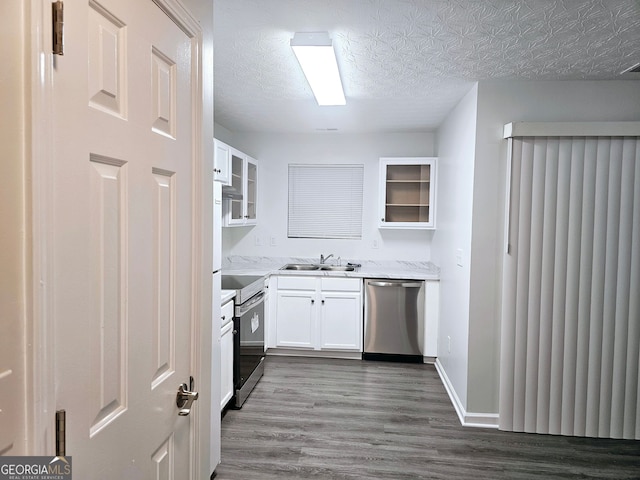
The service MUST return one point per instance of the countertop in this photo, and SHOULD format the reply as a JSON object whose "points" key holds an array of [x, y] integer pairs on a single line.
{"points": [[227, 295], [240, 265]]}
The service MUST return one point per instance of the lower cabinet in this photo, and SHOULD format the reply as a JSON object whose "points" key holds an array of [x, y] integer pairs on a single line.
{"points": [[319, 313], [226, 354]]}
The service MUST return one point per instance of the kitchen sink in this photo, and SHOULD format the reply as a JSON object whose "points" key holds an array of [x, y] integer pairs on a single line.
{"points": [[300, 266], [336, 268], [311, 266]]}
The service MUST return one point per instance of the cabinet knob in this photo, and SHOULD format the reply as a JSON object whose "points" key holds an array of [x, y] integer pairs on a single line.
{"points": [[313, 301], [382, 219], [223, 317], [323, 301]]}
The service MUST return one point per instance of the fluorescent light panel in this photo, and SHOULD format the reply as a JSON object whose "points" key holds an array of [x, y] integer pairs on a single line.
{"points": [[315, 54]]}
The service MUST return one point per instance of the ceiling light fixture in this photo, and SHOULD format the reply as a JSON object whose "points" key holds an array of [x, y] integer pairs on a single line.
{"points": [[315, 54]]}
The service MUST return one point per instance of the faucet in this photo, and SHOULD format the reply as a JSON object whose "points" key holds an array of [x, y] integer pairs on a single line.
{"points": [[324, 259]]}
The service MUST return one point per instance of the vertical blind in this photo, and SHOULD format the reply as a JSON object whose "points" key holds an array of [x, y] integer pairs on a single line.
{"points": [[570, 346], [325, 201]]}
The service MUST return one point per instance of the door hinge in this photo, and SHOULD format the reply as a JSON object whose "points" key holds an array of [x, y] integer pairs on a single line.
{"points": [[61, 426], [57, 17]]}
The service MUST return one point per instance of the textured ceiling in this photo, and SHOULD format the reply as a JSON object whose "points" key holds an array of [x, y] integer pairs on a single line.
{"points": [[406, 63]]}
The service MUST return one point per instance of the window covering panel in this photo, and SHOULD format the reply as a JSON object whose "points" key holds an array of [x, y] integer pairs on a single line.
{"points": [[325, 201], [570, 347]]}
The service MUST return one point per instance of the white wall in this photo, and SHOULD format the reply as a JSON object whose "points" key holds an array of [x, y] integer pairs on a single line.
{"points": [[501, 102], [456, 156], [275, 152], [223, 134]]}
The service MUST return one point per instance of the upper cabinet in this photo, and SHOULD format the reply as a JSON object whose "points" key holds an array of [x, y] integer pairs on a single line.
{"points": [[407, 192], [238, 173], [242, 208], [221, 162]]}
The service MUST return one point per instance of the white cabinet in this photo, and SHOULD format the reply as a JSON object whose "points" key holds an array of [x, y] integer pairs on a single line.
{"points": [[407, 192], [319, 313], [226, 354], [244, 179], [221, 162], [235, 169], [295, 318], [431, 318], [341, 321]]}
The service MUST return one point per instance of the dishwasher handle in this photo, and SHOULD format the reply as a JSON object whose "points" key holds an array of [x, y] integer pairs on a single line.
{"points": [[396, 283]]}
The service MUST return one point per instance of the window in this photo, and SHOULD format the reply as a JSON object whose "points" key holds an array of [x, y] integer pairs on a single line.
{"points": [[325, 201]]}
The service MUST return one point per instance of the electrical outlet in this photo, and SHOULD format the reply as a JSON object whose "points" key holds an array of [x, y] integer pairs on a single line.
{"points": [[448, 344], [258, 241], [375, 243], [273, 241], [459, 255]]}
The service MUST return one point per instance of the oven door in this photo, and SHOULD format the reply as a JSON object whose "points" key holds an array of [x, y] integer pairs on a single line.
{"points": [[248, 342]]}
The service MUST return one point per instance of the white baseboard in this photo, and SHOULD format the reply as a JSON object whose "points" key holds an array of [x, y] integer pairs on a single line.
{"points": [[467, 419]]}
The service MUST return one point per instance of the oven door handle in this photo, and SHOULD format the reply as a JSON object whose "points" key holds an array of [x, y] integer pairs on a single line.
{"points": [[249, 304]]}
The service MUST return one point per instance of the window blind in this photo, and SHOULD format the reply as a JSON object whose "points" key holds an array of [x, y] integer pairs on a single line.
{"points": [[571, 310], [325, 201]]}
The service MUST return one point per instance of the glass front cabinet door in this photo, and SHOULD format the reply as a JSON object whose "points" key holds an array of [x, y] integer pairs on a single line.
{"points": [[408, 192], [251, 191], [242, 209], [236, 211]]}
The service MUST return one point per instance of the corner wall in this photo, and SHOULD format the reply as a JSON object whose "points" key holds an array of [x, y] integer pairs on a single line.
{"points": [[456, 157]]}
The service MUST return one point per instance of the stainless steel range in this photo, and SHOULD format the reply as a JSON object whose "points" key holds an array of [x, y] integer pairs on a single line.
{"points": [[248, 324]]}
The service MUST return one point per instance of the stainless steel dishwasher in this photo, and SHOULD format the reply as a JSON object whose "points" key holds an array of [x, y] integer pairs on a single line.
{"points": [[394, 313]]}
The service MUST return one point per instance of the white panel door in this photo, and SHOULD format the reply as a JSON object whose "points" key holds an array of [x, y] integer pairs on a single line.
{"points": [[295, 319], [122, 262], [341, 321]]}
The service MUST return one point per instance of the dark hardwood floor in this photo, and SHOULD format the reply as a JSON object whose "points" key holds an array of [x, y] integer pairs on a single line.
{"points": [[349, 419]]}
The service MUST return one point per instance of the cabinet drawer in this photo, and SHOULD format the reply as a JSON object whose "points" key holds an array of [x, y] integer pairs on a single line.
{"points": [[341, 284], [227, 313], [286, 282]]}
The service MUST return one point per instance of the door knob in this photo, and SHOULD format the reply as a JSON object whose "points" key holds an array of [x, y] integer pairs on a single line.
{"points": [[185, 399]]}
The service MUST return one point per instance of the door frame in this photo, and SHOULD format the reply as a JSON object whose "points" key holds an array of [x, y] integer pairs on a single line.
{"points": [[40, 322]]}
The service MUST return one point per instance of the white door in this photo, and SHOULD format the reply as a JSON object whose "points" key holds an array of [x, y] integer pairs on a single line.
{"points": [[295, 319], [341, 321], [123, 238]]}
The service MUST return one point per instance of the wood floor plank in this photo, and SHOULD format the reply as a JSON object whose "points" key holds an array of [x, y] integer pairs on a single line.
{"points": [[312, 418]]}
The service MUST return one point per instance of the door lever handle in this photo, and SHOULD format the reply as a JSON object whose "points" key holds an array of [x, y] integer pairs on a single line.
{"points": [[184, 400]]}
